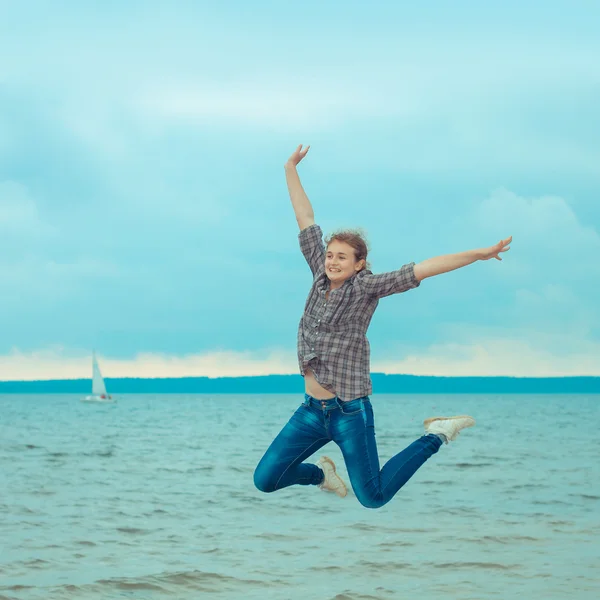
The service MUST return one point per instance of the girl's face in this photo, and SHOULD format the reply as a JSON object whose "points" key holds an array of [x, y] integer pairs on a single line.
{"points": [[340, 262]]}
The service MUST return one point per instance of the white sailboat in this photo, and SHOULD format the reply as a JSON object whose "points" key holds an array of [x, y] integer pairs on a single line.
{"points": [[99, 393]]}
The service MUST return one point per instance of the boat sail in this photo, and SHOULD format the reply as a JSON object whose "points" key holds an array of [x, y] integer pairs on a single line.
{"points": [[99, 393]]}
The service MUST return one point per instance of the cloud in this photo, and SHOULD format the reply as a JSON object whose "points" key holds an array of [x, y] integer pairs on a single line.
{"points": [[417, 106], [537, 355], [550, 243], [534, 314], [145, 187], [533, 355], [540, 219], [58, 363], [276, 103]]}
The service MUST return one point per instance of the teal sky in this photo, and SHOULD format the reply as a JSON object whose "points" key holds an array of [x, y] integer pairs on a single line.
{"points": [[143, 207]]}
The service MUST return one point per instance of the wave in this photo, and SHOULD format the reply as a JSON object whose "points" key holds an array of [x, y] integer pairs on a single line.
{"points": [[173, 584], [474, 565], [133, 530], [193, 580], [585, 496], [508, 539], [351, 596]]}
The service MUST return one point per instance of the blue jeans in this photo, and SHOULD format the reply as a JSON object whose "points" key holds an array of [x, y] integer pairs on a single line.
{"points": [[351, 426]]}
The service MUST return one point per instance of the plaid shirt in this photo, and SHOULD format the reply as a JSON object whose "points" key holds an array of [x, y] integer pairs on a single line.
{"points": [[332, 339]]}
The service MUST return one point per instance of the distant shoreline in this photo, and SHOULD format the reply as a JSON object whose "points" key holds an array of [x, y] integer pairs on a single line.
{"points": [[284, 384]]}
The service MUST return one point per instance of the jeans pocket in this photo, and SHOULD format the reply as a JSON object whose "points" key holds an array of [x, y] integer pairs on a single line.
{"points": [[306, 408], [353, 407]]}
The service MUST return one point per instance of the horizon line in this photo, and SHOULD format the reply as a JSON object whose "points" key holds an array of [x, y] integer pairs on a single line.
{"points": [[74, 379]]}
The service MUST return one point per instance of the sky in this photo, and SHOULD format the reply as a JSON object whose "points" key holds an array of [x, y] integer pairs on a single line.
{"points": [[143, 205]]}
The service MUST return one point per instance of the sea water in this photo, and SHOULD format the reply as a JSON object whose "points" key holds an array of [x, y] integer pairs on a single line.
{"points": [[153, 497]]}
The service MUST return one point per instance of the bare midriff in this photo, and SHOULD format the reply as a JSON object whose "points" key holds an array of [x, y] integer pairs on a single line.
{"points": [[314, 388]]}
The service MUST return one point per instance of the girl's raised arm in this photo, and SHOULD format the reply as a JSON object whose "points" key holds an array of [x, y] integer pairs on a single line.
{"points": [[302, 206], [450, 262]]}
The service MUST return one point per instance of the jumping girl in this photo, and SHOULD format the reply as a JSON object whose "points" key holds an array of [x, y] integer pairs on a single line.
{"points": [[333, 356]]}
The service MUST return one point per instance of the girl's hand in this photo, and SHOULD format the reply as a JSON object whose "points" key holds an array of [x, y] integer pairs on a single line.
{"points": [[494, 251], [297, 156]]}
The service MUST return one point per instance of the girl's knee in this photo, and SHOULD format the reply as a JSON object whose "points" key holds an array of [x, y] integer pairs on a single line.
{"points": [[368, 501], [263, 480], [373, 504]]}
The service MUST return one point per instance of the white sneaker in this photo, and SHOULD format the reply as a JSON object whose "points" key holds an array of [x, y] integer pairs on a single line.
{"points": [[332, 482], [449, 427]]}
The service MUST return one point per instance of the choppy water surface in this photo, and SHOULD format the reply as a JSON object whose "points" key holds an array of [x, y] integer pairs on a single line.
{"points": [[153, 498]]}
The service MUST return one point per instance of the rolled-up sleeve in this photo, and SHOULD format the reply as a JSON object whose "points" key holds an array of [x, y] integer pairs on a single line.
{"points": [[393, 282], [313, 249]]}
